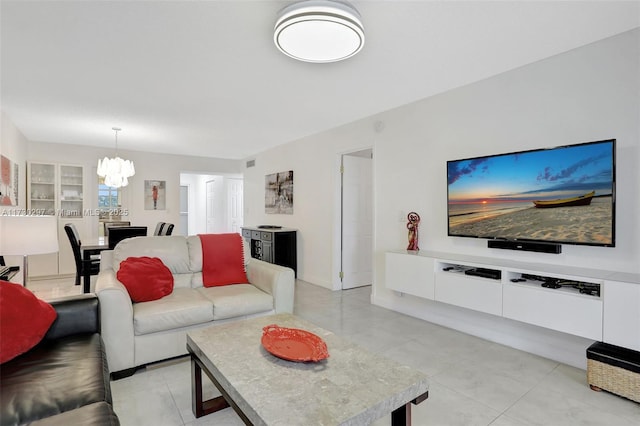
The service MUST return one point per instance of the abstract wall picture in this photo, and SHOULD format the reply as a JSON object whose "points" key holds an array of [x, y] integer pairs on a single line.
{"points": [[278, 193], [155, 195], [8, 182]]}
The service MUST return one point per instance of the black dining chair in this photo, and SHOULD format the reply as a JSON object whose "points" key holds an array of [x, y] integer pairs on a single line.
{"points": [[93, 265], [110, 225], [159, 228], [120, 233], [167, 229]]}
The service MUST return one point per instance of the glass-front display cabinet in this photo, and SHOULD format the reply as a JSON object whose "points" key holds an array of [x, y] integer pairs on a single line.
{"points": [[55, 189]]}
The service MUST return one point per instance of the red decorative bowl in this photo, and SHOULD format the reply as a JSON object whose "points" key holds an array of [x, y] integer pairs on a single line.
{"points": [[293, 344]]}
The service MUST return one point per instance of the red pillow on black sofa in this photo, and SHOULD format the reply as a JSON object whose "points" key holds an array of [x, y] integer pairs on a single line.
{"points": [[145, 278], [24, 320]]}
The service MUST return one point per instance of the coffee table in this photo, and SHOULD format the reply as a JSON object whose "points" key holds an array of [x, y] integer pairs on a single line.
{"points": [[352, 387]]}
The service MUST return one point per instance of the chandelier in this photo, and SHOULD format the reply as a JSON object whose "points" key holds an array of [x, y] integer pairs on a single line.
{"points": [[116, 171], [319, 31]]}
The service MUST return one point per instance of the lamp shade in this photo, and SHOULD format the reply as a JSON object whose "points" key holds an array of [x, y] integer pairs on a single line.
{"points": [[319, 31], [116, 171], [25, 235]]}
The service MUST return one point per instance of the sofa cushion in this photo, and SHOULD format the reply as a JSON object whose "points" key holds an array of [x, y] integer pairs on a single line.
{"points": [[145, 278], [235, 300], [181, 308], [54, 377], [172, 250], [24, 320]]}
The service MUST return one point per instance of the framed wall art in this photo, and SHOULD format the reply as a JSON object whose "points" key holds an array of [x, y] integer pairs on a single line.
{"points": [[8, 182], [278, 193], [155, 195]]}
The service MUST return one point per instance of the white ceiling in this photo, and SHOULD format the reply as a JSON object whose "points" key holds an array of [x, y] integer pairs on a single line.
{"points": [[204, 77]]}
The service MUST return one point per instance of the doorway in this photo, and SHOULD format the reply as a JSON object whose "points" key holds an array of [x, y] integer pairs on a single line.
{"points": [[184, 209], [211, 206], [357, 219], [208, 200], [235, 209]]}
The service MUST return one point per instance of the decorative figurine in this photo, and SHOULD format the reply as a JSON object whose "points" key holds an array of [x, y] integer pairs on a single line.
{"points": [[412, 226]]}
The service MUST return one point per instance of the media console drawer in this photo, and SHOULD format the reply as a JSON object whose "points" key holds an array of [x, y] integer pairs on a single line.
{"points": [[575, 314], [410, 274], [477, 293]]}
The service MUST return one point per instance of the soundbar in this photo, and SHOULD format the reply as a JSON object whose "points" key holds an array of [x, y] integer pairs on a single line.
{"points": [[525, 246]]}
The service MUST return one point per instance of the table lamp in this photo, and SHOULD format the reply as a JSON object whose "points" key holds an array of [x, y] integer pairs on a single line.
{"points": [[27, 235]]}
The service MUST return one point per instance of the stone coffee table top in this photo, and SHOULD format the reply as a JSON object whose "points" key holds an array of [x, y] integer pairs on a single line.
{"points": [[352, 387]]}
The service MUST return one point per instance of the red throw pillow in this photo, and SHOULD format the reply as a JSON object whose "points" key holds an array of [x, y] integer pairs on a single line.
{"points": [[145, 278], [222, 260], [24, 320]]}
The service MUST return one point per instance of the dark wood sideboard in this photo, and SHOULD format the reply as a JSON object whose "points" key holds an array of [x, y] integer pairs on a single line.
{"points": [[273, 245]]}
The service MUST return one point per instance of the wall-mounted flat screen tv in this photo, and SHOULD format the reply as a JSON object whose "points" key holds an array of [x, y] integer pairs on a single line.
{"points": [[562, 195]]}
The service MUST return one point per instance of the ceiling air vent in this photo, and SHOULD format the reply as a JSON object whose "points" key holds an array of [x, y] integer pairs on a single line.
{"points": [[251, 163]]}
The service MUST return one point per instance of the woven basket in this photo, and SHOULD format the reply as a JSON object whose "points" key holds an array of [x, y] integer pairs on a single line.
{"points": [[614, 379]]}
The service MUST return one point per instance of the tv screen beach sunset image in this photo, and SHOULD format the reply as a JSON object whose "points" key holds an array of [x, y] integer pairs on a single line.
{"points": [[564, 194]]}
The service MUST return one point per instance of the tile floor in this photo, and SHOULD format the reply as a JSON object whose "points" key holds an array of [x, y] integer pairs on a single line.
{"points": [[473, 381]]}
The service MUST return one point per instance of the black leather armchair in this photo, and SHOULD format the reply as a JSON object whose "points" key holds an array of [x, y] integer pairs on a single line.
{"points": [[64, 380]]}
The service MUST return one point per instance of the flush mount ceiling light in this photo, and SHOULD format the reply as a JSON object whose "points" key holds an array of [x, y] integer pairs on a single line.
{"points": [[115, 171], [319, 31]]}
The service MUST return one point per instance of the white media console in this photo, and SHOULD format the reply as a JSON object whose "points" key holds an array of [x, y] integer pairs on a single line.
{"points": [[607, 309]]}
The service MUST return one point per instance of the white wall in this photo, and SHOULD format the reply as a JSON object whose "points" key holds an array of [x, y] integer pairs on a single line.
{"points": [[315, 162], [149, 166], [587, 94]]}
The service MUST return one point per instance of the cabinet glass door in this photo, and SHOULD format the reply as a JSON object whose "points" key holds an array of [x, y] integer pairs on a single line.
{"points": [[71, 191], [42, 188]]}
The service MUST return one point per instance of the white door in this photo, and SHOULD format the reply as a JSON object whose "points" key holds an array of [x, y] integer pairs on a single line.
{"points": [[357, 220], [184, 209], [211, 206], [234, 204]]}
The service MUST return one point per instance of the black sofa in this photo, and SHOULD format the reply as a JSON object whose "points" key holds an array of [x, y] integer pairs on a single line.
{"points": [[64, 380]]}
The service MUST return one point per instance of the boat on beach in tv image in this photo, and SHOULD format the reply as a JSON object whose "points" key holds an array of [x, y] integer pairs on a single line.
{"points": [[581, 200], [561, 195]]}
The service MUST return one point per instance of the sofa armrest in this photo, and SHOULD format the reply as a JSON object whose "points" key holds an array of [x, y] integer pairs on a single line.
{"points": [[116, 319], [278, 281], [76, 314]]}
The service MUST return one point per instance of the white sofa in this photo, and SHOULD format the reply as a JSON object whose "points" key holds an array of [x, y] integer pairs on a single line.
{"points": [[136, 334]]}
